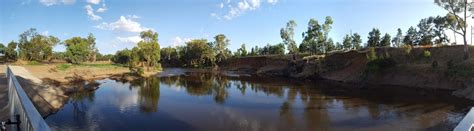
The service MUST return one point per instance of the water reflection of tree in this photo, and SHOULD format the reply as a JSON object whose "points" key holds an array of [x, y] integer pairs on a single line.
{"points": [[149, 93], [79, 101]]}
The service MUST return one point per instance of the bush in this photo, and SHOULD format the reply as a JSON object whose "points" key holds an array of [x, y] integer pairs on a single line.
{"points": [[450, 64], [34, 63], [63, 67], [158, 67], [381, 63], [427, 54], [407, 49], [372, 54], [434, 64]]}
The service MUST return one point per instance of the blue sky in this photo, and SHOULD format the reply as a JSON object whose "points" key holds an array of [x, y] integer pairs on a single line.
{"points": [[116, 23]]}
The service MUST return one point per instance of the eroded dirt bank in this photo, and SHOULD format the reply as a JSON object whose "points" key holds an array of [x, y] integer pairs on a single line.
{"points": [[443, 69]]}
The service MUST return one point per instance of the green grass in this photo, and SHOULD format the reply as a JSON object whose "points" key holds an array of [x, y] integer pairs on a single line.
{"points": [[63, 67], [34, 63], [100, 65]]}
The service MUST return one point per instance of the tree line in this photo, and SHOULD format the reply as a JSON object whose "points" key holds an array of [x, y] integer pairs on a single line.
{"points": [[148, 55]]}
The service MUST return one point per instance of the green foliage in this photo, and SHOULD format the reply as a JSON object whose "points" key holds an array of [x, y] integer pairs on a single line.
{"points": [[411, 37], [372, 54], [373, 38], [397, 40], [198, 53], [385, 41], [287, 34], [77, 50], [378, 63], [241, 52], [315, 39], [34, 63], [427, 54], [356, 41], [435, 64], [35, 47], [220, 46], [407, 49], [63, 67], [347, 42], [10, 51]]}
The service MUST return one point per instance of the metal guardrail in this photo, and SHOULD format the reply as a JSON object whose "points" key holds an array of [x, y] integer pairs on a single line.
{"points": [[467, 122], [22, 109]]}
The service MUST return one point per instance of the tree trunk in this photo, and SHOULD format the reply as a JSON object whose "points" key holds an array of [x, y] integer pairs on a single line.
{"points": [[466, 48]]}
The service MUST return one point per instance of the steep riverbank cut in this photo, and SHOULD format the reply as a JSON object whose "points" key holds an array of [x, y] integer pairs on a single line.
{"points": [[435, 68]]}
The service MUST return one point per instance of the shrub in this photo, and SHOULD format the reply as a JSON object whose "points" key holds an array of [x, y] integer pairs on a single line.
{"points": [[372, 54], [379, 64], [427, 54], [434, 64], [34, 63], [63, 67], [407, 49], [450, 64]]}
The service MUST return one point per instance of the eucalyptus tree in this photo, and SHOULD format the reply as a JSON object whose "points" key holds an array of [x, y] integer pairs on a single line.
{"points": [[347, 42], [220, 45], [33, 46], [398, 39], [385, 42], [356, 41], [411, 37], [287, 34], [458, 15], [149, 49], [373, 38]]}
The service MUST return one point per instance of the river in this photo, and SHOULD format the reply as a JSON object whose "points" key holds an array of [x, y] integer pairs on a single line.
{"points": [[205, 101]]}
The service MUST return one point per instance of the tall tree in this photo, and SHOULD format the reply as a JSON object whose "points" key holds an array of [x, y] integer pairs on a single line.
{"points": [[356, 41], [149, 48], [287, 34], [439, 34], [198, 53], [373, 38], [425, 31], [326, 28], [221, 42], [92, 49], [410, 37], [385, 40], [458, 11], [77, 50], [312, 38], [242, 51], [347, 42], [398, 39], [10, 51], [33, 46]]}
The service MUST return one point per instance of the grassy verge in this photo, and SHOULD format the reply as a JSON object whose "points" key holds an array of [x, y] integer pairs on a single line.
{"points": [[65, 66]]}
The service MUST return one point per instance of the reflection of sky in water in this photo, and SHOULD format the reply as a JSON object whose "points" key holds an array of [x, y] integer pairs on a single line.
{"points": [[206, 102]]}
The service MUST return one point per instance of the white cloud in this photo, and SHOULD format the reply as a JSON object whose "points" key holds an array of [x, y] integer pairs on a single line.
{"points": [[178, 41], [90, 13], [221, 5], [131, 39], [45, 33], [238, 8], [123, 24], [56, 2], [102, 9], [272, 2], [133, 17], [95, 2]]}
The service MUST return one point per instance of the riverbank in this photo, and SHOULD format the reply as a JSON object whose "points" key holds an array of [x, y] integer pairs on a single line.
{"points": [[443, 68]]}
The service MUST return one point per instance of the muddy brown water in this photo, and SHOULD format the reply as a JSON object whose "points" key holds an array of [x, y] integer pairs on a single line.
{"points": [[204, 101]]}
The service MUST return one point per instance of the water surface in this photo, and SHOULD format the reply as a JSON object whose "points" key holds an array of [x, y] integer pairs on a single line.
{"points": [[204, 101]]}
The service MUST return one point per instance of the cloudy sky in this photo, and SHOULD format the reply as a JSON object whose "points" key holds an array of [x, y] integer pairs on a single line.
{"points": [[117, 23]]}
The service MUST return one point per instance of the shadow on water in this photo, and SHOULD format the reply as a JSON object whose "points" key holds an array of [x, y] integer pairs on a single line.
{"points": [[206, 101]]}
